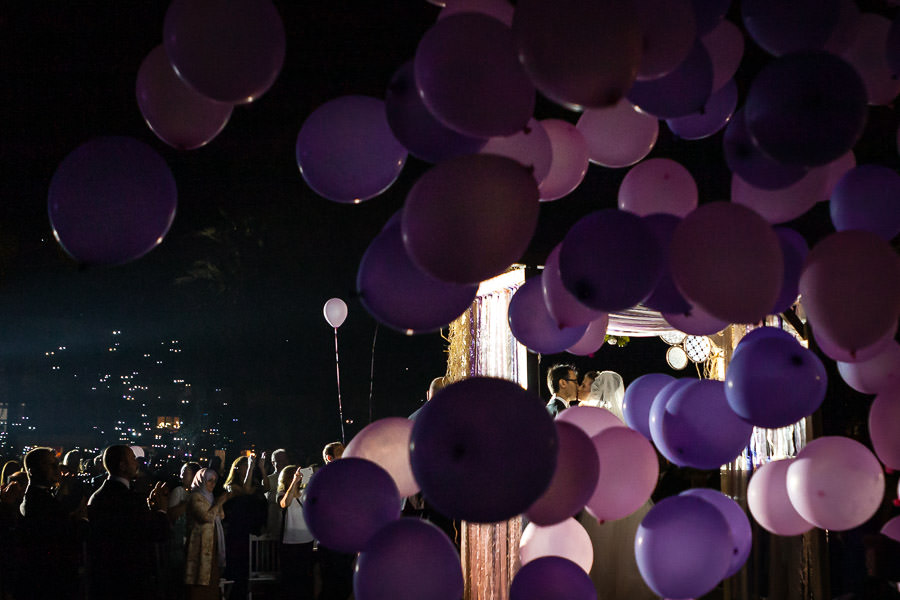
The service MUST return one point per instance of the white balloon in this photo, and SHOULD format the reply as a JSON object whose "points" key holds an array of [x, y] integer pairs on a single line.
{"points": [[335, 311]]}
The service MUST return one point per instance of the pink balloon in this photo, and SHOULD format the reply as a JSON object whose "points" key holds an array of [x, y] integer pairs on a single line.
{"points": [[851, 288], [592, 339], [892, 529], [884, 427], [629, 472], [570, 159], [835, 352], [878, 374], [590, 419], [386, 443], [769, 503], [530, 147], [573, 481], [618, 136], [175, 112], [696, 322], [714, 244], [725, 45], [837, 169], [785, 204], [658, 185], [567, 539], [867, 54], [565, 309], [835, 483], [669, 32], [499, 9]]}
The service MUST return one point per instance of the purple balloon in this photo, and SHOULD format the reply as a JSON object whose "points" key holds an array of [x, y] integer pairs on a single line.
{"points": [[695, 322], [709, 13], [806, 108], [408, 559], [498, 9], [470, 78], [701, 429], [348, 501], [347, 152], [745, 159], [683, 547], [416, 128], [562, 306], [867, 197], [738, 524], [794, 249], [657, 412], [761, 333], [774, 382], [111, 200], [531, 323], [681, 92], [783, 27], [665, 297], [577, 53], [551, 577], [178, 115], [399, 294], [230, 52], [610, 260], [483, 450], [470, 217], [669, 31], [711, 118], [592, 339], [639, 396], [573, 481]]}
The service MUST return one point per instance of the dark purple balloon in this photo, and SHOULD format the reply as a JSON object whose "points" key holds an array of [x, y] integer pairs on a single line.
{"points": [[175, 112], [610, 260], [531, 323], [416, 128], [794, 249], [470, 78], [700, 427], [483, 450], [409, 559], [708, 14], [552, 577], [348, 501], [658, 410], [807, 108], [867, 197], [111, 200], [399, 294], [746, 160], [574, 480], [774, 382], [681, 92], [639, 396], [228, 51], [893, 46], [795, 26], [738, 524], [711, 118], [665, 297]]}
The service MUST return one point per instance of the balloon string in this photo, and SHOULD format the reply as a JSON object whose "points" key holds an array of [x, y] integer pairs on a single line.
{"points": [[337, 368], [372, 373]]}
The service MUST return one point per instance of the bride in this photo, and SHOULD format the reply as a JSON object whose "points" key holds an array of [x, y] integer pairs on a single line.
{"points": [[615, 573]]}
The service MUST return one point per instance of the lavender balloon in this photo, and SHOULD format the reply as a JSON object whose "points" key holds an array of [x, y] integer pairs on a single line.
{"points": [[868, 198], [416, 128], [738, 524], [176, 113], [346, 150], [714, 115], [399, 294], [681, 92], [657, 413], [230, 52], [592, 339], [618, 135], [111, 200], [639, 396], [470, 79], [783, 204], [530, 147], [534, 327], [610, 260]]}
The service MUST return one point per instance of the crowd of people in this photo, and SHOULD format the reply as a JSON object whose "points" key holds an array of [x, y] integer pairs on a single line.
{"points": [[107, 527]]}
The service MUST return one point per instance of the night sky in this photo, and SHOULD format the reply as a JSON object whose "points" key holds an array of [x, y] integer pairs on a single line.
{"points": [[279, 251]]}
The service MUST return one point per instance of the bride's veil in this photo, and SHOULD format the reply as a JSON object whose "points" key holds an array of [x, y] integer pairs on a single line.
{"points": [[608, 391]]}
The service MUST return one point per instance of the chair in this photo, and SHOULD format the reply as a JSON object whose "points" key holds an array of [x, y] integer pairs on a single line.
{"points": [[264, 561]]}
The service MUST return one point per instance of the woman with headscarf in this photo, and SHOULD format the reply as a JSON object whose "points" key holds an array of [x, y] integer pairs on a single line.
{"points": [[206, 538]]}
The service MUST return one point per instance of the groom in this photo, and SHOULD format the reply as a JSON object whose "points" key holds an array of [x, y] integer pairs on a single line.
{"points": [[563, 383]]}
